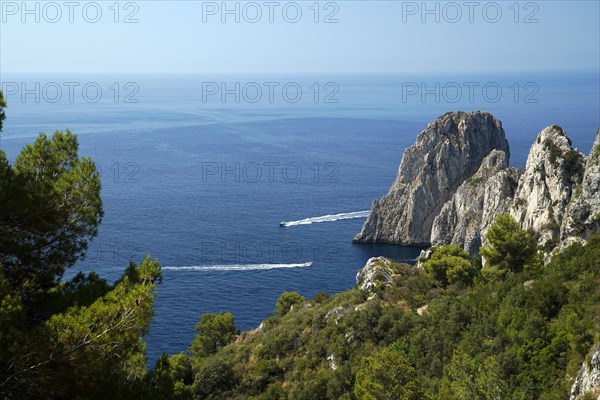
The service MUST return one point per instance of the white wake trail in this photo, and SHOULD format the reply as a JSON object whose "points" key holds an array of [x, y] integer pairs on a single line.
{"points": [[327, 218], [236, 267]]}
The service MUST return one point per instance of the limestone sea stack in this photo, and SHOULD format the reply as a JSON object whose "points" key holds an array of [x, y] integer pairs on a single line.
{"points": [[449, 151]]}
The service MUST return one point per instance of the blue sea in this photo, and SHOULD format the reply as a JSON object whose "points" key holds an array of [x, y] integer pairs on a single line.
{"points": [[199, 171]]}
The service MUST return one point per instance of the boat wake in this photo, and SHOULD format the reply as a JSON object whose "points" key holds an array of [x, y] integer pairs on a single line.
{"points": [[236, 267], [327, 218]]}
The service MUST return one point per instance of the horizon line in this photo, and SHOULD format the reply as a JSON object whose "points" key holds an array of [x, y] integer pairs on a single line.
{"points": [[561, 70]]}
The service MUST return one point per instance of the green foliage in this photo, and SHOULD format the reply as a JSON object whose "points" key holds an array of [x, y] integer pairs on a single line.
{"points": [[84, 290], [510, 249], [595, 153], [263, 373], [554, 152], [274, 392], [213, 379], [449, 265], [161, 381], [286, 301], [101, 341], [180, 378], [314, 387], [320, 297], [51, 209], [181, 368], [475, 181], [573, 162], [521, 202], [214, 331], [466, 379], [574, 165], [387, 375], [589, 396]]}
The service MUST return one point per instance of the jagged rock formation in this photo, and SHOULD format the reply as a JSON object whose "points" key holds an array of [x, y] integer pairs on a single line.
{"points": [[446, 153], [465, 218], [375, 272], [582, 217], [454, 182], [588, 378], [552, 171]]}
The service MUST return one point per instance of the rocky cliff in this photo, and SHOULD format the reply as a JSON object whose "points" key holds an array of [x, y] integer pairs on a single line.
{"points": [[455, 180], [552, 171], [465, 218], [582, 216], [445, 154]]}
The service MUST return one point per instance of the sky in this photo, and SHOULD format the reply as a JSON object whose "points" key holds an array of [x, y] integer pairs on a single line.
{"points": [[298, 37]]}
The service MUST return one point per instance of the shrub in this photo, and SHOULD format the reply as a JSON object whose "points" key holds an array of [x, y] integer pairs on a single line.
{"points": [[510, 249], [286, 301], [214, 331], [574, 163], [213, 378], [387, 375], [448, 265], [320, 297]]}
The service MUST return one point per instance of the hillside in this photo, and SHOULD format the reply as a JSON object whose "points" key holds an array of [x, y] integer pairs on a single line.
{"points": [[402, 334]]}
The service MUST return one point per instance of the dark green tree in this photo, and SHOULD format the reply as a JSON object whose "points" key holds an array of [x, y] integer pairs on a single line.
{"points": [[285, 302], [100, 343], [50, 208], [171, 378], [181, 368], [511, 248], [162, 384], [213, 378], [387, 375], [450, 264], [214, 331]]}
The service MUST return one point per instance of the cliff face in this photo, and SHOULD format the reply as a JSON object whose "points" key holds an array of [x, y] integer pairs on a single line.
{"points": [[552, 171], [465, 218], [454, 182], [582, 216], [446, 153], [588, 378]]}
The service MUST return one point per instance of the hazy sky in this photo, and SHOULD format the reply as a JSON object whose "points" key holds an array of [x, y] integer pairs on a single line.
{"points": [[368, 37]]}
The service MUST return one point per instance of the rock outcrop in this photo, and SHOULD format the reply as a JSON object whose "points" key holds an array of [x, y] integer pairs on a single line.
{"points": [[375, 272], [466, 217], [552, 171], [455, 180], [588, 378], [446, 153], [582, 216]]}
